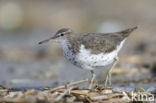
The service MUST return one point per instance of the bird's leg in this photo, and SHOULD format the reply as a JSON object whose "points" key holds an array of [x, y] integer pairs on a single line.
{"points": [[92, 80], [110, 72], [106, 80]]}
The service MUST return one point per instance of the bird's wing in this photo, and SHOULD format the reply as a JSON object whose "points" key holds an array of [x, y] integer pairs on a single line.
{"points": [[101, 42], [104, 42]]}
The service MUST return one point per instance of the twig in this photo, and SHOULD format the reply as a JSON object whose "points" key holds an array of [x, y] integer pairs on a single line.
{"points": [[69, 85], [78, 92], [63, 94], [104, 97]]}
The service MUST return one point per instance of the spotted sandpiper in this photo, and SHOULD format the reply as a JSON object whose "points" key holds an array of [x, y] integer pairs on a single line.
{"points": [[91, 50]]}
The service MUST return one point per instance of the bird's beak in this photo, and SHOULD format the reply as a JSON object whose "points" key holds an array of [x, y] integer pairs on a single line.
{"points": [[47, 40]]}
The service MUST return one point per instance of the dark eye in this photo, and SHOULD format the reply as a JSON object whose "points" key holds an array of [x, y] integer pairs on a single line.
{"points": [[62, 34]]}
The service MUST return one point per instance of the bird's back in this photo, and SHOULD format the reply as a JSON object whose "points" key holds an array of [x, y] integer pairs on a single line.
{"points": [[99, 42]]}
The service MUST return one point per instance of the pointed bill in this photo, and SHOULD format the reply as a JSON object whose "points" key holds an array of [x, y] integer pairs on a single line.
{"points": [[47, 40]]}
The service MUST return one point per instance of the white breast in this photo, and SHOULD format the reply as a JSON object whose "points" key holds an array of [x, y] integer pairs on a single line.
{"points": [[67, 53], [85, 57]]}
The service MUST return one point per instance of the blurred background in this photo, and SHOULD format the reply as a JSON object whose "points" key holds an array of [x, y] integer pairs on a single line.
{"points": [[23, 23]]}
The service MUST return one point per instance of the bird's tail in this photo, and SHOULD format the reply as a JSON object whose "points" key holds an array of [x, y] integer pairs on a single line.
{"points": [[125, 33]]}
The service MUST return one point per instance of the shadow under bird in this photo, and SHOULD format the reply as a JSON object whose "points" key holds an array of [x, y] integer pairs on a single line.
{"points": [[91, 50]]}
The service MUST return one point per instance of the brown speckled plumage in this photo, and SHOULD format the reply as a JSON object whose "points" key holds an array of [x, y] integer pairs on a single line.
{"points": [[97, 42]]}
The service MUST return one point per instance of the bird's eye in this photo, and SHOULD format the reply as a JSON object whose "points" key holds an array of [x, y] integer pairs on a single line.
{"points": [[62, 34]]}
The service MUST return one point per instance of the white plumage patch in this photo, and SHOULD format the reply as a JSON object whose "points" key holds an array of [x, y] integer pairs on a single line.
{"points": [[89, 60]]}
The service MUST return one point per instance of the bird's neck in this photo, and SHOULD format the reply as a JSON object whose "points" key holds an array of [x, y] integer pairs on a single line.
{"points": [[64, 43]]}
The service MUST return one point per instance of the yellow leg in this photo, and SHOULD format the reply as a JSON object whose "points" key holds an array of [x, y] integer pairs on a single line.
{"points": [[92, 80], [108, 78]]}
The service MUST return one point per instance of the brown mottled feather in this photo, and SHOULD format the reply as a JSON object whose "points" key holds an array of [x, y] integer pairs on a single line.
{"points": [[98, 42]]}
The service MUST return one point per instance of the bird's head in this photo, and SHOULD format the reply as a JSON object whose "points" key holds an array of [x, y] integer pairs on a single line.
{"points": [[60, 35]]}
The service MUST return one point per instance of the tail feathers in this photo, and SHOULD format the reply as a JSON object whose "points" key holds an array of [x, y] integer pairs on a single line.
{"points": [[125, 33]]}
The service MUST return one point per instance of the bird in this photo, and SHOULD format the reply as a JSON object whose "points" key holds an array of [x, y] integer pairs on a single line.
{"points": [[91, 50]]}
